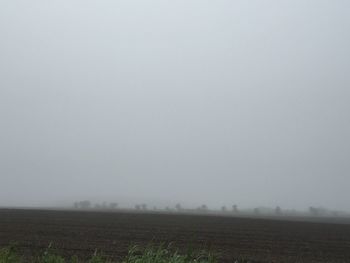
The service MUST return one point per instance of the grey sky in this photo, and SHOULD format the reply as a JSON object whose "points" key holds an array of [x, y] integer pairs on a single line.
{"points": [[215, 102]]}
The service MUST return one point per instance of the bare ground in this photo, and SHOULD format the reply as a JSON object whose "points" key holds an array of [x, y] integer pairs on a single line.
{"points": [[261, 240]]}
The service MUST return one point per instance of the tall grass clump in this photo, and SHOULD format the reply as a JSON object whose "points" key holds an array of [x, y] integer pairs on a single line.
{"points": [[166, 255], [9, 255], [49, 256]]}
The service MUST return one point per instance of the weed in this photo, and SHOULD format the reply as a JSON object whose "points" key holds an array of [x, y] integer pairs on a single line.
{"points": [[9, 255], [151, 254]]}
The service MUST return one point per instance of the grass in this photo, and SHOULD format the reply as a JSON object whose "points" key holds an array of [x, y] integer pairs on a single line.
{"points": [[8, 255], [166, 255], [152, 254]]}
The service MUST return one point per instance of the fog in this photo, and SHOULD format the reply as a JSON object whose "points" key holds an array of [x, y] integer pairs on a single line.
{"points": [[196, 102]]}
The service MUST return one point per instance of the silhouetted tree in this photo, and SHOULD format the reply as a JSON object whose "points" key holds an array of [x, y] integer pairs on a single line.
{"points": [[235, 209], [178, 207], [203, 208], [86, 204], [314, 211], [113, 205], [335, 213], [278, 210]]}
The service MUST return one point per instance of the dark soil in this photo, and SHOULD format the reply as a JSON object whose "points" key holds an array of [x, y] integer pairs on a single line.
{"points": [[261, 240]]}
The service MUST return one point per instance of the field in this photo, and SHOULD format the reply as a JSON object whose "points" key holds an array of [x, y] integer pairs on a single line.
{"points": [[259, 240]]}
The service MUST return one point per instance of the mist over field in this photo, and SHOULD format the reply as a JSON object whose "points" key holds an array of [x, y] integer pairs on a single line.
{"points": [[164, 102]]}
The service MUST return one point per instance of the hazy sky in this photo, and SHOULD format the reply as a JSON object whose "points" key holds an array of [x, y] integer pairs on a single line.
{"points": [[191, 101]]}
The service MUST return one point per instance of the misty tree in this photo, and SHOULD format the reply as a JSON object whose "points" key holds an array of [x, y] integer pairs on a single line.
{"points": [[235, 208], [203, 208], [86, 204], [256, 211], [76, 205], [314, 211], [335, 213], [178, 207], [113, 205], [137, 207], [223, 209], [144, 207], [278, 210]]}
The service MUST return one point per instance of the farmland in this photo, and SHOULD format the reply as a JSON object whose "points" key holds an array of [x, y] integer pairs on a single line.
{"points": [[261, 240]]}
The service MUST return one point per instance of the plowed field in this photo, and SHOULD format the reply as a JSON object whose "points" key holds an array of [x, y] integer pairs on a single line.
{"points": [[262, 240]]}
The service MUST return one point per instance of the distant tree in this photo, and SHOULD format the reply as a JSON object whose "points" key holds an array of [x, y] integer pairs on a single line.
{"points": [[167, 208], [235, 209], [256, 211], [278, 210], [137, 207], [223, 209], [203, 208], [86, 204], [335, 213], [314, 211], [178, 207], [113, 205], [76, 205], [144, 207]]}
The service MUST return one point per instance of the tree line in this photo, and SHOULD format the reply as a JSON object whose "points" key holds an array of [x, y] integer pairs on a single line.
{"points": [[312, 211]]}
